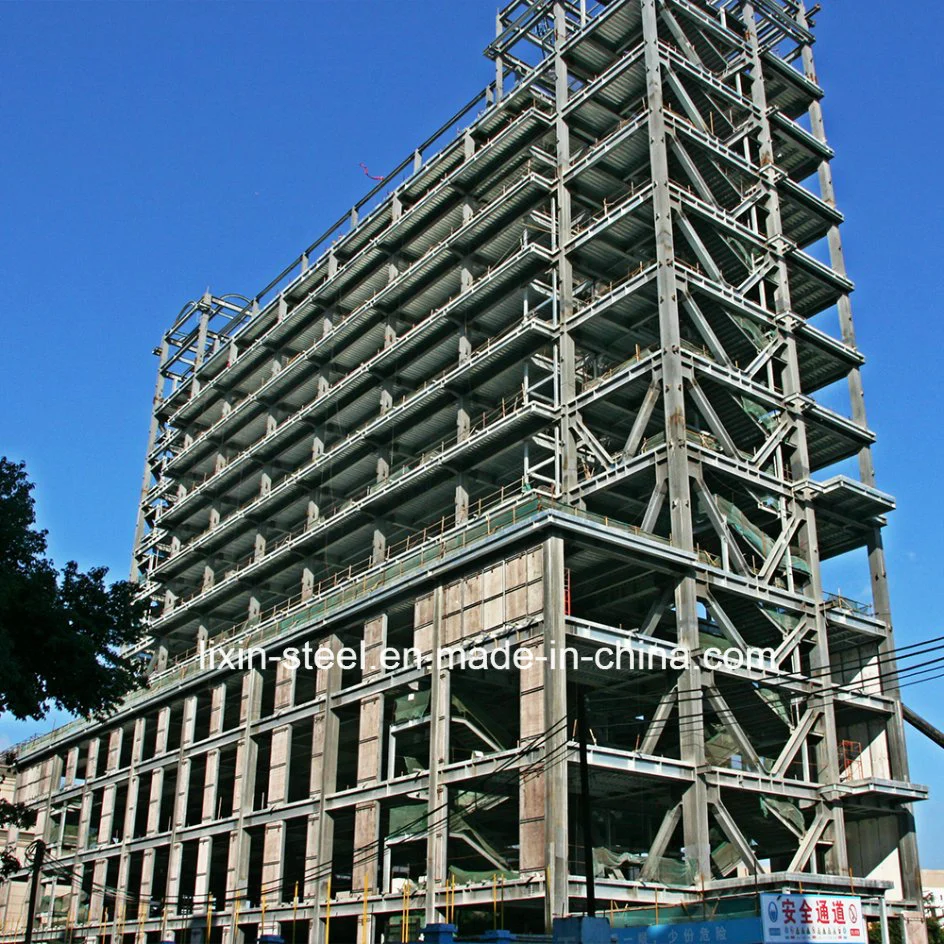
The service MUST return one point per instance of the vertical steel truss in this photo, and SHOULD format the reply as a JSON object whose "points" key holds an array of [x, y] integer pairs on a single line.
{"points": [[688, 360]]}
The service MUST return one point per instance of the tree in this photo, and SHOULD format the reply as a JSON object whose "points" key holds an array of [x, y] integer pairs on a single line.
{"points": [[935, 930], [61, 631], [894, 932], [12, 814]]}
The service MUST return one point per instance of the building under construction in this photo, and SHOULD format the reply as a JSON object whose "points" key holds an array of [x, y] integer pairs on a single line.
{"points": [[551, 386]]}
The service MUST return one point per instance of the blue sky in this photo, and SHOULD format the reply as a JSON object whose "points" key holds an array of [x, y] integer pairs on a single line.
{"points": [[151, 150]]}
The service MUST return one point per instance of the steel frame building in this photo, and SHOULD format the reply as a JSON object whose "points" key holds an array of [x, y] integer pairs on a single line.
{"points": [[550, 385]]}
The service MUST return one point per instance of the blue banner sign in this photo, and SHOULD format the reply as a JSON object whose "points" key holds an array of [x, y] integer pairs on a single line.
{"points": [[735, 931], [813, 919]]}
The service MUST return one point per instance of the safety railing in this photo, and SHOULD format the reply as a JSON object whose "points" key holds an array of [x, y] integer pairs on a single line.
{"points": [[506, 408], [506, 507], [370, 303], [836, 601], [413, 332], [438, 145]]}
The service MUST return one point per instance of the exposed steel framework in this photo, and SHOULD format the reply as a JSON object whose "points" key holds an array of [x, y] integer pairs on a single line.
{"points": [[553, 382]]}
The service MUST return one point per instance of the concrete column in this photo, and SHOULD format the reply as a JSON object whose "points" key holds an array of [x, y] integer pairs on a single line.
{"points": [[386, 396], [163, 726], [390, 331], [466, 275], [173, 876], [463, 420], [277, 791], [87, 837], [72, 763], [272, 852], [108, 813], [123, 910], [96, 898], [201, 888], [183, 789], [438, 802], [154, 801], [147, 875], [324, 767], [369, 756], [189, 721], [114, 750], [75, 896], [462, 498], [237, 871], [555, 714], [531, 793], [378, 553], [131, 807], [284, 686], [254, 610], [137, 746], [161, 650], [94, 752], [465, 345], [211, 785], [308, 584], [383, 465], [217, 708]]}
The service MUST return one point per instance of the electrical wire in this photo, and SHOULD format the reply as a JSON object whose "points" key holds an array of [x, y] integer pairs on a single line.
{"points": [[542, 766], [536, 743], [793, 677]]}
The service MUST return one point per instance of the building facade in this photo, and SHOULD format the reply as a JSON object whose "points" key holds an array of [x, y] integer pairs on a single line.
{"points": [[933, 882], [548, 394]]}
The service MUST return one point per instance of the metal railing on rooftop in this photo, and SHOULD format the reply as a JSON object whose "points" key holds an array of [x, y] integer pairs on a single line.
{"points": [[836, 601], [365, 306], [373, 201]]}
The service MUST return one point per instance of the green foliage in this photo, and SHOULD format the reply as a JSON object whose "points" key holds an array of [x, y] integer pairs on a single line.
{"points": [[12, 814], [935, 931], [894, 932], [60, 630]]}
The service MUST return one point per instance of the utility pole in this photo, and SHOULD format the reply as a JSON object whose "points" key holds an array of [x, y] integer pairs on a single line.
{"points": [[925, 727], [586, 811], [38, 849]]}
